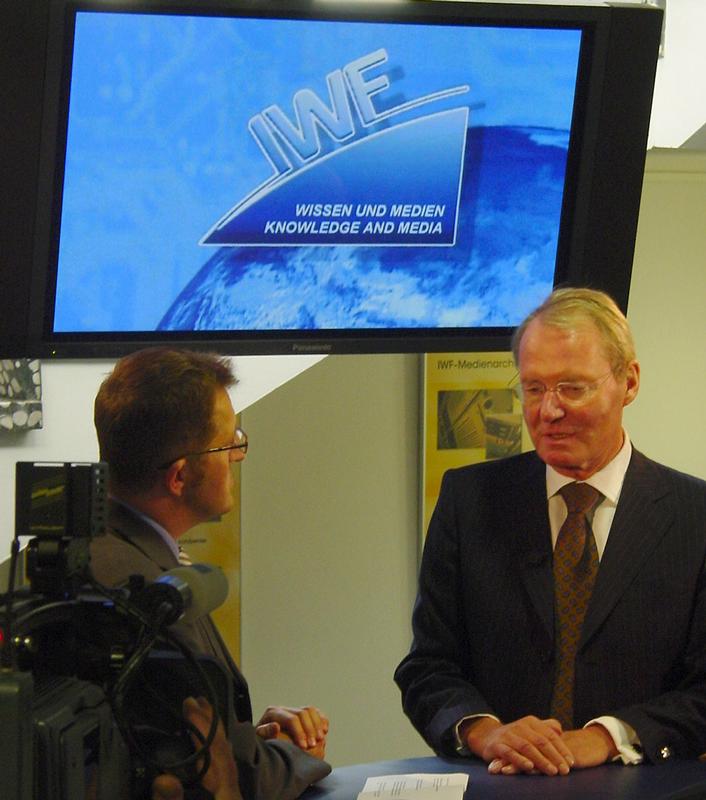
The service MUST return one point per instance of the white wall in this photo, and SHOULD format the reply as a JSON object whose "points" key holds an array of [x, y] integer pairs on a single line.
{"points": [[679, 104], [329, 548], [667, 311]]}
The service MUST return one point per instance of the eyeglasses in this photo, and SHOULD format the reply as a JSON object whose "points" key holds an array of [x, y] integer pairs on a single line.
{"points": [[240, 442], [570, 393]]}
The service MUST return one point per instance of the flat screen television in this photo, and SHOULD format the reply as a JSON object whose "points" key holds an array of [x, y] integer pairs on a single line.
{"points": [[315, 176]]}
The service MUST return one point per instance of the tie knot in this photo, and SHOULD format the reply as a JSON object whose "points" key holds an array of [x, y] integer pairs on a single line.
{"points": [[579, 497]]}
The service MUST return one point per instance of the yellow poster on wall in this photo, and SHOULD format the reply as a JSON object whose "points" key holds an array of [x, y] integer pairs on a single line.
{"points": [[472, 413]]}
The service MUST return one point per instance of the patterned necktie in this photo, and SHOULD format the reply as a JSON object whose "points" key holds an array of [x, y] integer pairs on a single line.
{"points": [[575, 568]]}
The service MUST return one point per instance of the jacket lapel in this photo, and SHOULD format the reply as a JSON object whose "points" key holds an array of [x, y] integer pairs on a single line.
{"points": [[528, 504], [641, 520]]}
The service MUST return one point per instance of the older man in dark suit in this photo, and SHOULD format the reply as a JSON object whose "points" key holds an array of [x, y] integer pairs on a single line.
{"points": [[167, 429], [561, 615]]}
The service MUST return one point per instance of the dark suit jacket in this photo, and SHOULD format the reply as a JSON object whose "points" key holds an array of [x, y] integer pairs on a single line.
{"points": [[483, 621], [267, 770]]}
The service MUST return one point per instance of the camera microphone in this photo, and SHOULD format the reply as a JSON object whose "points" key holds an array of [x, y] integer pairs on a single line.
{"points": [[190, 592]]}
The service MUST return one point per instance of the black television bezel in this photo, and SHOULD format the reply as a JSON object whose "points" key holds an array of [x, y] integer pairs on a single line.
{"points": [[595, 248]]}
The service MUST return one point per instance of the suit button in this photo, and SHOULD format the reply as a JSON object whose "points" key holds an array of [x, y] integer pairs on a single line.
{"points": [[666, 752]]}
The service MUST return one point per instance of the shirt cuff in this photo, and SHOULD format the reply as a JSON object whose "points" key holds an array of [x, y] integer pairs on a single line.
{"points": [[461, 746], [625, 738]]}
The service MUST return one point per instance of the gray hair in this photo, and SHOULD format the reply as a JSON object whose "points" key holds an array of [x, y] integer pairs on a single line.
{"points": [[569, 307]]}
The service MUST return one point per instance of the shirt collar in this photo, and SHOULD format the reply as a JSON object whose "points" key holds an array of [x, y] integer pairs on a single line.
{"points": [[608, 481]]}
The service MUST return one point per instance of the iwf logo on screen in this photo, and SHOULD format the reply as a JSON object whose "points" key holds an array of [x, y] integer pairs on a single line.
{"points": [[355, 172]]}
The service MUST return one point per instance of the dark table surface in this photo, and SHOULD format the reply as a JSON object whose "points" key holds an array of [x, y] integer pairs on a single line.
{"points": [[675, 780]]}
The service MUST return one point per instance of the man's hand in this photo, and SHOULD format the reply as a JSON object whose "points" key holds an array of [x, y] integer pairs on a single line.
{"points": [[306, 727], [526, 745], [222, 776], [591, 746], [167, 787]]}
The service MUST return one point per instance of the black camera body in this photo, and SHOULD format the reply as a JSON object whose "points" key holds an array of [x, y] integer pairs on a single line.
{"points": [[85, 710], [61, 741]]}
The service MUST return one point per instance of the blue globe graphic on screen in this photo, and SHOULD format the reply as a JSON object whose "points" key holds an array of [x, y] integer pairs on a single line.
{"points": [[501, 266]]}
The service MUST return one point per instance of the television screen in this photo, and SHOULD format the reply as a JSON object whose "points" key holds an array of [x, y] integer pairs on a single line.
{"points": [[313, 176]]}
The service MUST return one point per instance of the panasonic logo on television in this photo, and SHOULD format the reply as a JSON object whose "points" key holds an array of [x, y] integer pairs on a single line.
{"points": [[311, 348]]}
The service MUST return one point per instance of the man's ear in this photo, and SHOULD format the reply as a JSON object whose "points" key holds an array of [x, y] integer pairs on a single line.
{"points": [[175, 477], [632, 379]]}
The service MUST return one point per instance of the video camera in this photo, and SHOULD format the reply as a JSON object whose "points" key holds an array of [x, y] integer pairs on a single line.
{"points": [[85, 710]]}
